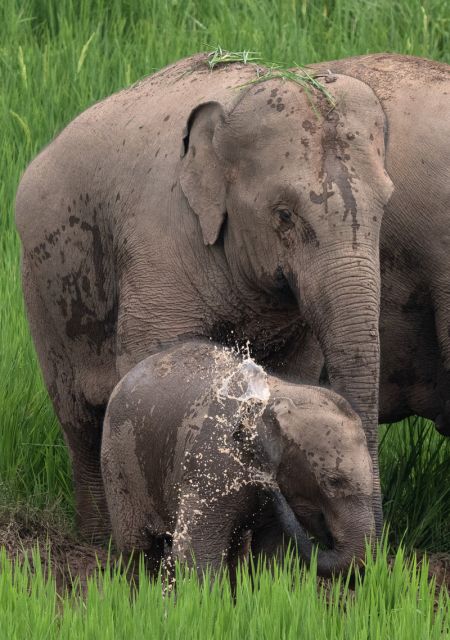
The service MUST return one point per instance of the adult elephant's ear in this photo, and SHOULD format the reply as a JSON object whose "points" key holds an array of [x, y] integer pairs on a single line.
{"points": [[202, 175]]}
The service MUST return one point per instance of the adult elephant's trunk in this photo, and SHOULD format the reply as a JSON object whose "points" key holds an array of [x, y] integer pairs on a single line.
{"points": [[342, 308], [351, 525]]}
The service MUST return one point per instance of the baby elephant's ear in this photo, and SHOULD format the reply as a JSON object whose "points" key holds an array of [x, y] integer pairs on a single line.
{"points": [[202, 175], [285, 414]]}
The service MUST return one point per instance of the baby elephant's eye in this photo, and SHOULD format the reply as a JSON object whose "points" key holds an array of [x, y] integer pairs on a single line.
{"points": [[285, 215]]}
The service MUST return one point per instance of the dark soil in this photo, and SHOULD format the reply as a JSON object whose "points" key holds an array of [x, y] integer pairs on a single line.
{"points": [[440, 568], [59, 549]]}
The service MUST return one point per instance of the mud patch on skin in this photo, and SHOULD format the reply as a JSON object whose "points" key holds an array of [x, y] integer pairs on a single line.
{"points": [[320, 198], [164, 367], [335, 171], [97, 247], [83, 321], [309, 126]]}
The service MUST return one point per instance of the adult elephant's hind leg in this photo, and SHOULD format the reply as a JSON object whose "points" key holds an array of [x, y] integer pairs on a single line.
{"points": [[82, 427], [83, 436], [67, 374]]}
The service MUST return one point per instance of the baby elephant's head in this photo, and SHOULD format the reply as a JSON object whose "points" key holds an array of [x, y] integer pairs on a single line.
{"points": [[317, 447]]}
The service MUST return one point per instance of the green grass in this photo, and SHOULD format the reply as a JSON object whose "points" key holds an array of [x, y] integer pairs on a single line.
{"points": [[219, 56], [398, 603], [415, 472], [59, 56], [268, 70]]}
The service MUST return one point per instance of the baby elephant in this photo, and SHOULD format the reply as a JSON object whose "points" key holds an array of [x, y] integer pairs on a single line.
{"points": [[199, 444]]}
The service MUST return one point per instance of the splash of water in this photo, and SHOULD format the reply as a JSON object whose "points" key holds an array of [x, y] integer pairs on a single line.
{"points": [[246, 382]]}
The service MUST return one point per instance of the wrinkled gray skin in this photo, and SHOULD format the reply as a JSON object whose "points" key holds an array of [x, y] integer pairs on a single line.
{"points": [[415, 237], [188, 205], [193, 449]]}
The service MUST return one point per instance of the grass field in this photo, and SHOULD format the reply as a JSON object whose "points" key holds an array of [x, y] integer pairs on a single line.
{"points": [[59, 56], [288, 604]]}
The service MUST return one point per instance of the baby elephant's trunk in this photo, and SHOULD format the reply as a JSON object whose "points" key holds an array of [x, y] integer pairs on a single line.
{"points": [[351, 526]]}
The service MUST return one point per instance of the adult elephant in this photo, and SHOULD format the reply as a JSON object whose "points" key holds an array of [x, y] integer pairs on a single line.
{"points": [[197, 204], [415, 236]]}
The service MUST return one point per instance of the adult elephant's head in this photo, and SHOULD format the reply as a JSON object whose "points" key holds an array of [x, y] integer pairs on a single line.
{"points": [[299, 187]]}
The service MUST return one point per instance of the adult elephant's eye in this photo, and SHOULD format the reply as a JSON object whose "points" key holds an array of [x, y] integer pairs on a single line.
{"points": [[285, 215]]}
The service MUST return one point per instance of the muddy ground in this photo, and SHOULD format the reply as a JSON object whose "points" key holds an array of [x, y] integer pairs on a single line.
{"points": [[59, 549], [69, 558]]}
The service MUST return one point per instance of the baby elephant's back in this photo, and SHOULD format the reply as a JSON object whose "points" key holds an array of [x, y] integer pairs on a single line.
{"points": [[157, 409]]}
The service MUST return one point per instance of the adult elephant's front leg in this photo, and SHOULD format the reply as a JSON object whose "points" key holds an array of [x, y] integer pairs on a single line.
{"points": [[157, 307]]}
